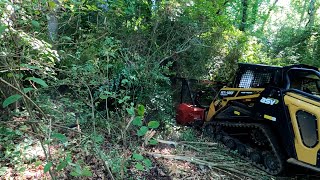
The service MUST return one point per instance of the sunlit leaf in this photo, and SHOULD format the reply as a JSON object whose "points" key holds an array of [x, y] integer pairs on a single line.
{"points": [[141, 110], [38, 163], [10, 75], [3, 170], [52, 4]]}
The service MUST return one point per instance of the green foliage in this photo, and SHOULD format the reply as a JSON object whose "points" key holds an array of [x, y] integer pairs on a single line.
{"points": [[12, 99], [60, 137], [141, 163], [47, 167], [137, 157], [188, 135], [38, 81], [3, 170], [153, 142], [79, 172], [142, 131], [153, 124], [137, 121]]}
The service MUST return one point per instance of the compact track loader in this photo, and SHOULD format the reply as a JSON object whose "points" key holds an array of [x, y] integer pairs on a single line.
{"points": [[270, 115]]}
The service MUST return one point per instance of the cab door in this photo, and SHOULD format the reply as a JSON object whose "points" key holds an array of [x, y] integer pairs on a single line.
{"points": [[303, 102], [305, 119]]}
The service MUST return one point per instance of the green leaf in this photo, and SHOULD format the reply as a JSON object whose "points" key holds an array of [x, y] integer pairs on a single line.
{"points": [[74, 174], [11, 100], [47, 141], [76, 171], [147, 163], [137, 157], [142, 131], [153, 124], [3, 171], [98, 138], [125, 98], [38, 163], [103, 96], [60, 137], [67, 38], [29, 66], [124, 81], [35, 24], [141, 110], [153, 142], [38, 81], [23, 128], [130, 111], [26, 90], [86, 172], [52, 4], [62, 165], [18, 132], [139, 167], [10, 75], [2, 28], [47, 167], [22, 169], [137, 121]]}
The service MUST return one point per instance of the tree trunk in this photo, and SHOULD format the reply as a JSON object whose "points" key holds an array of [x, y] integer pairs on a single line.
{"points": [[244, 15], [254, 13], [303, 12], [311, 13]]}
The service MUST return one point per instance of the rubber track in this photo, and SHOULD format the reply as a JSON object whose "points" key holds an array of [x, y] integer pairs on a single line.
{"points": [[267, 132]]}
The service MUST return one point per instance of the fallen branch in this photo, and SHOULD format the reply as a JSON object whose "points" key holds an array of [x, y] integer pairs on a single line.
{"points": [[204, 143], [218, 166], [183, 143]]}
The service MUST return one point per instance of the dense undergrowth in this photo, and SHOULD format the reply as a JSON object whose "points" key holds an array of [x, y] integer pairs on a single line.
{"points": [[86, 86]]}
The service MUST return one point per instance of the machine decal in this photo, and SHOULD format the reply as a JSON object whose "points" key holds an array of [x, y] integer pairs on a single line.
{"points": [[246, 93], [270, 101], [270, 117], [227, 93]]}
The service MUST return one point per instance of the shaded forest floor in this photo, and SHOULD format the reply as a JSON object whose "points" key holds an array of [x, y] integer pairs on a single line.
{"points": [[186, 155]]}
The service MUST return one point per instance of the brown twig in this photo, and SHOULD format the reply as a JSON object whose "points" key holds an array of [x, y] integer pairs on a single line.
{"points": [[219, 166]]}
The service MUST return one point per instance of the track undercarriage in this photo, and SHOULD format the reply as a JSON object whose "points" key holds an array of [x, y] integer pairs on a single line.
{"points": [[254, 142]]}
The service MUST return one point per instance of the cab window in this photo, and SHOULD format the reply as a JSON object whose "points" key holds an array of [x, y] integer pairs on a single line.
{"points": [[305, 80]]}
